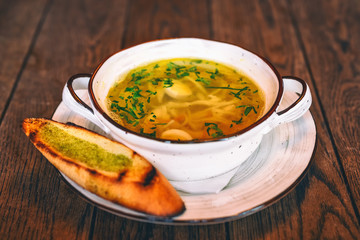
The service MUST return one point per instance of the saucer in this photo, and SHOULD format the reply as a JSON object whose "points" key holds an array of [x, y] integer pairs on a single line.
{"points": [[272, 171]]}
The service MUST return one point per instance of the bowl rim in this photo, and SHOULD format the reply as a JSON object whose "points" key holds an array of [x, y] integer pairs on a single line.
{"points": [[223, 138]]}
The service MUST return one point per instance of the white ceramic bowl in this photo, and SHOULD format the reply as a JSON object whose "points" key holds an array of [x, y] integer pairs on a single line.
{"points": [[189, 161]]}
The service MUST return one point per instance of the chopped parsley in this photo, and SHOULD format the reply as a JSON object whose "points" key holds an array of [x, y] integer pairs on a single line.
{"points": [[214, 74], [213, 130], [136, 77], [247, 109], [168, 82], [141, 91], [238, 121]]}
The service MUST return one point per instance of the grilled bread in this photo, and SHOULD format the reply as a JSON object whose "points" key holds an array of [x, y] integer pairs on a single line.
{"points": [[104, 167]]}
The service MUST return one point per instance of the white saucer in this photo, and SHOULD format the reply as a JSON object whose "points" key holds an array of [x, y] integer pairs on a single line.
{"points": [[278, 165]]}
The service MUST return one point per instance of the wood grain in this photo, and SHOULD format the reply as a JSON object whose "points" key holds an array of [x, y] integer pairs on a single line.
{"points": [[334, 60], [44, 42], [35, 203], [166, 19], [323, 192], [19, 22]]}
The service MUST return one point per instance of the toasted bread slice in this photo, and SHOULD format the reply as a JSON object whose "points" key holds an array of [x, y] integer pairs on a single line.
{"points": [[104, 167]]}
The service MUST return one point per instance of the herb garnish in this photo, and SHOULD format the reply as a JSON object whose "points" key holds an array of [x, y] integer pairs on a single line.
{"points": [[196, 61], [168, 82], [139, 75], [180, 70], [134, 102], [238, 122], [203, 80], [248, 109], [214, 74], [153, 134], [236, 94], [228, 87], [198, 78], [213, 126]]}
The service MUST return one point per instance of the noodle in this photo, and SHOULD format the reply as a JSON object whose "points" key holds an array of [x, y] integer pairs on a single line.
{"points": [[185, 98]]}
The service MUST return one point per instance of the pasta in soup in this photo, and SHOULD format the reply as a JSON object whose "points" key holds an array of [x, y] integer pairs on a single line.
{"points": [[185, 99]]}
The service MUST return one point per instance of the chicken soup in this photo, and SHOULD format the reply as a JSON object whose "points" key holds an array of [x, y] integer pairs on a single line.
{"points": [[185, 99]]}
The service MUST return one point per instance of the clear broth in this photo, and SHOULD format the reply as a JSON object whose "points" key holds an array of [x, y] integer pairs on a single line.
{"points": [[185, 99]]}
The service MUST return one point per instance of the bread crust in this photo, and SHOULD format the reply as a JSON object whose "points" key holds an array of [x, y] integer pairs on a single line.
{"points": [[140, 187]]}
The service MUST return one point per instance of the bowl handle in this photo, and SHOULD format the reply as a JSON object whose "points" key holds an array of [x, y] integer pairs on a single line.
{"points": [[301, 104], [75, 103]]}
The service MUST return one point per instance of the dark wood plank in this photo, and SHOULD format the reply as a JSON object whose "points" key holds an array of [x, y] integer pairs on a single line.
{"points": [[321, 200], [331, 41], [35, 203], [18, 23], [315, 40], [109, 226], [166, 19]]}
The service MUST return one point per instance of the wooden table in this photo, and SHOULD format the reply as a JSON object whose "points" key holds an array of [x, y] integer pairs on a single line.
{"points": [[44, 42]]}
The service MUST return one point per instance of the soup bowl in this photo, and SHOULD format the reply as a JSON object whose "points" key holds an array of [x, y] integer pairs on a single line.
{"points": [[198, 159]]}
